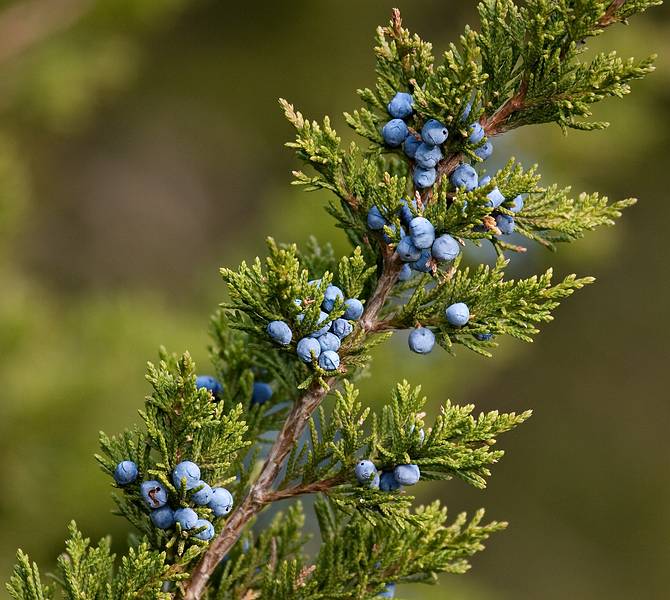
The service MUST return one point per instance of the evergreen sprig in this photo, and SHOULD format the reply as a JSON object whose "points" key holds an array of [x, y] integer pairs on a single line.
{"points": [[524, 65]]}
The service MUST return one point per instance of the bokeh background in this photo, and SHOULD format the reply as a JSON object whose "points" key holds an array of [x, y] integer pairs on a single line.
{"points": [[141, 149]]}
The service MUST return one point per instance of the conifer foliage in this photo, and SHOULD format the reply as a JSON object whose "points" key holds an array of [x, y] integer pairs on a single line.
{"points": [[280, 416]]}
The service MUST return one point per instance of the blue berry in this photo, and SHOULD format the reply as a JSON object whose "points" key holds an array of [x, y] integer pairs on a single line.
{"points": [[331, 296], [411, 144], [323, 318], [389, 591], [484, 337], [163, 517], [517, 204], [458, 314], [154, 493], [434, 133], [407, 474], [421, 340], [376, 221], [424, 178], [495, 198], [206, 534], [466, 112], [476, 133], [505, 223], [306, 347], [400, 106], [364, 471], [422, 232], [280, 332], [202, 494], [126, 472], [187, 471], [407, 251], [425, 263], [484, 151], [374, 484], [484, 181], [464, 176], [329, 360], [428, 156], [353, 309], [387, 482], [262, 392], [445, 248], [341, 328], [221, 501], [405, 212], [186, 517], [210, 383], [395, 132], [405, 273], [329, 341]]}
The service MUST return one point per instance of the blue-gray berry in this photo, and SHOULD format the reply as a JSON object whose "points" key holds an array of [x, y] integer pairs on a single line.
{"points": [[212, 384], [154, 493], [186, 517], [407, 251], [424, 178], [484, 181], [395, 132], [331, 296], [407, 474], [376, 220], [434, 133], [421, 340], [484, 337], [389, 591], [428, 156], [387, 482], [464, 176], [202, 493], [400, 106], [307, 347], [126, 472], [425, 263], [221, 501], [187, 471], [364, 471], [466, 112], [405, 273], [505, 223], [405, 212], [163, 517], [495, 198], [476, 133], [517, 204], [262, 392], [445, 248], [422, 232], [411, 144], [458, 314], [329, 360], [353, 309], [341, 328], [280, 332], [484, 151], [323, 319], [329, 341], [207, 533]]}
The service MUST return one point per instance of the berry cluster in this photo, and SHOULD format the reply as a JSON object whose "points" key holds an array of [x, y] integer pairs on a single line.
{"points": [[185, 478], [262, 391], [388, 480], [323, 344]]}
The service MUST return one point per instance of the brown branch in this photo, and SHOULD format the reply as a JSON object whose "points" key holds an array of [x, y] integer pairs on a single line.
{"points": [[309, 488], [261, 493], [25, 24]]}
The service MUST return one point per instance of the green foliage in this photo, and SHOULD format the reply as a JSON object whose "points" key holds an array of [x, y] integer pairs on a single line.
{"points": [[521, 67]]}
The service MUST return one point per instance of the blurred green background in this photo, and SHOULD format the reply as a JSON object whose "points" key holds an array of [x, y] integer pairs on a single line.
{"points": [[141, 149]]}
